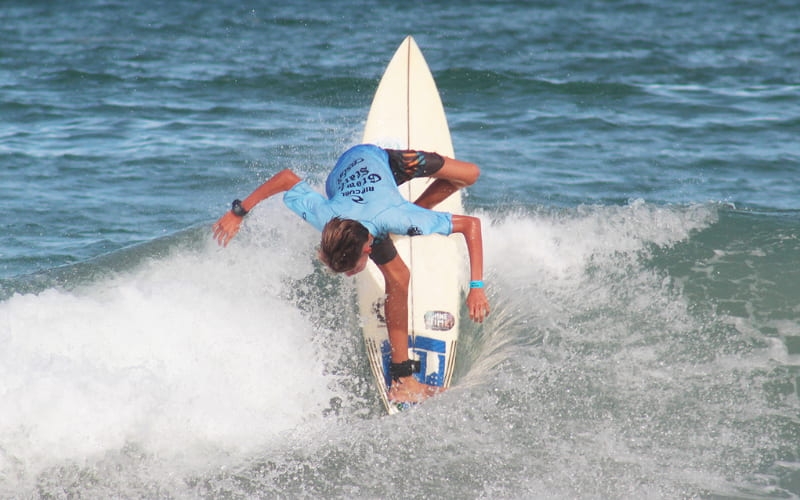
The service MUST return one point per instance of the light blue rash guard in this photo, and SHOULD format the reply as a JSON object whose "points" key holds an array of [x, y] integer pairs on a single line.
{"points": [[361, 187]]}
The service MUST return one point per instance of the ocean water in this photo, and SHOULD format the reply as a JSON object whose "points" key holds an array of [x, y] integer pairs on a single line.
{"points": [[641, 222]]}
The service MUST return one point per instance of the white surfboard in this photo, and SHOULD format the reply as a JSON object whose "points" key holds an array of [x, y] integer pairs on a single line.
{"points": [[407, 113]]}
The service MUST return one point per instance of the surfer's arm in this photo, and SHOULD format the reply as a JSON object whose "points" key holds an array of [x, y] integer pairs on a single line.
{"points": [[470, 227], [228, 225]]}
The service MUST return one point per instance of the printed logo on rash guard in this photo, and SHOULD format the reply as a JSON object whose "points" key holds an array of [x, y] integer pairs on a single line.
{"points": [[356, 181]]}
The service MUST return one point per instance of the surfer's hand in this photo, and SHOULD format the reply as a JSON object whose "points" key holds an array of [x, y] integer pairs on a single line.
{"points": [[478, 305], [226, 228]]}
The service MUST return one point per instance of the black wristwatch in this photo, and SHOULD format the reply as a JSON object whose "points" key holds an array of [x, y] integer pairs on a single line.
{"points": [[238, 209]]}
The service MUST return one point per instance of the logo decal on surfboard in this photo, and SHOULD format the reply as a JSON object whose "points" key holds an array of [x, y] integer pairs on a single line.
{"points": [[439, 321], [431, 355]]}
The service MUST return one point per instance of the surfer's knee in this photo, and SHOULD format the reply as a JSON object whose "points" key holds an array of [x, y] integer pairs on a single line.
{"points": [[460, 173], [472, 172]]}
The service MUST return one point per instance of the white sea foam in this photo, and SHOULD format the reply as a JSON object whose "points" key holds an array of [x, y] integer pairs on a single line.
{"points": [[192, 349], [193, 373], [558, 245]]}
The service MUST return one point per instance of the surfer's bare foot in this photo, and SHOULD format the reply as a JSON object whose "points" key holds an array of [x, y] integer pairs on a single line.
{"points": [[409, 390]]}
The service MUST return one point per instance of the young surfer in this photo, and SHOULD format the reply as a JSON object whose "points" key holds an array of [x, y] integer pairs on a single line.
{"points": [[362, 209]]}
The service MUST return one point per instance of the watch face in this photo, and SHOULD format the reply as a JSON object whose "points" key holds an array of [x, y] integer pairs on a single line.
{"points": [[238, 209]]}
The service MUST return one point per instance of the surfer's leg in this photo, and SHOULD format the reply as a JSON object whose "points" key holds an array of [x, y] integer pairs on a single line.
{"points": [[396, 277], [452, 176]]}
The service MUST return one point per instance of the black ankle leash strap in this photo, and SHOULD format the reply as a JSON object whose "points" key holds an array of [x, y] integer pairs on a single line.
{"points": [[404, 369]]}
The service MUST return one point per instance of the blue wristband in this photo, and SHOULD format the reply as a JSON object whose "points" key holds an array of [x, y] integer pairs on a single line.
{"points": [[476, 284]]}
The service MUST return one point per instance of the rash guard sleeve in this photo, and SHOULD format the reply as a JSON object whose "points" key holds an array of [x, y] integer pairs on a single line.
{"points": [[312, 206], [412, 220]]}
